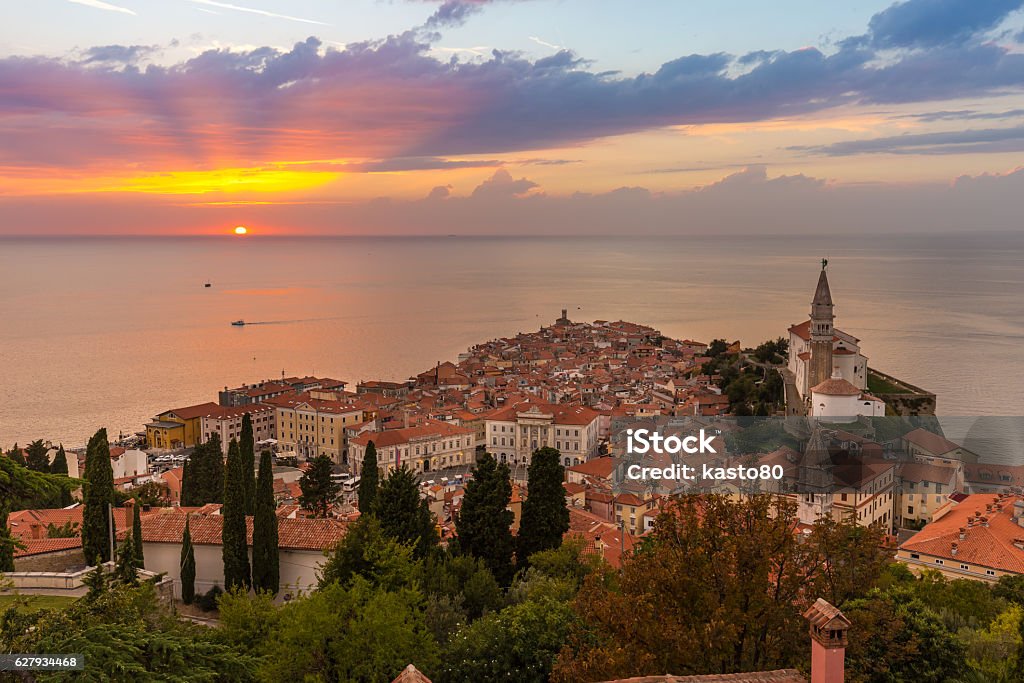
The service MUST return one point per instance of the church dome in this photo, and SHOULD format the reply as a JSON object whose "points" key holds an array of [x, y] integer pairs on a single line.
{"points": [[836, 386]]}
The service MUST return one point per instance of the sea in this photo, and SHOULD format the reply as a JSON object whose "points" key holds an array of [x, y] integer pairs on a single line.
{"points": [[110, 331]]}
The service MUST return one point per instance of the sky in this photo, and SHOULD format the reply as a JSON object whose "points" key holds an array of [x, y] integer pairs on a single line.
{"points": [[510, 116]]}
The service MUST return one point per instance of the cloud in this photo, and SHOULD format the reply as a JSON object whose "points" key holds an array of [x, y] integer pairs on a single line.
{"points": [[440, 192], [502, 184], [99, 4], [120, 54], [423, 164], [954, 142], [931, 23], [964, 115], [263, 13], [454, 13], [395, 99]]}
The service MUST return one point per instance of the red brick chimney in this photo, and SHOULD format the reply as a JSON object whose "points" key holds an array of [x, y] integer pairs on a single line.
{"points": [[828, 629]]}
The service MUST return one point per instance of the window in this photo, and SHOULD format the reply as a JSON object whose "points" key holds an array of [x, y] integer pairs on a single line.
{"points": [[964, 566], [938, 561], [990, 572]]}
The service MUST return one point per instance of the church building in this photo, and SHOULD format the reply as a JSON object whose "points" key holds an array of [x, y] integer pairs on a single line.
{"points": [[827, 363]]}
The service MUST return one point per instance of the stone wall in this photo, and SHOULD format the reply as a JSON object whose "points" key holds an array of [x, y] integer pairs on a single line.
{"points": [[57, 561], [908, 401]]}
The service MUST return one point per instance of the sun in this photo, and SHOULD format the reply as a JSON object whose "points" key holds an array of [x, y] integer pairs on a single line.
{"points": [[241, 230]]}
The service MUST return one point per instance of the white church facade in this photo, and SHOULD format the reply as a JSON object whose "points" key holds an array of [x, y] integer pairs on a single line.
{"points": [[831, 372]]}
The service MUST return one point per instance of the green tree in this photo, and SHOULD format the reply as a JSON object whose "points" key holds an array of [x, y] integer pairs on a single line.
{"points": [[137, 533], [99, 497], [127, 568], [188, 565], [369, 479], [484, 523], [266, 572], [545, 517], [463, 579], [60, 462], [318, 489], [16, 455], [359, 633], [19, 485], [8, 543], [404, 514], [365, 552], [736, 607], [125, 633], [59, 466], [247, 445], [233, 536], [520, 643], [895, 637], [35, 456], [202, 479]]}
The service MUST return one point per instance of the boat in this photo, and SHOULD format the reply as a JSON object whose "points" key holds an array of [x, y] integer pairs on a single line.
{"points": [[238, 322], [207, 285]]}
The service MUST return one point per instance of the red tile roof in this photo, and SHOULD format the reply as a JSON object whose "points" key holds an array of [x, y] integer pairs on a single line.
{"points": [[930, 441], [429, 428], [778, 676], [293, 534], [189, 412], [596, 467], [989, 543], [40, 546]]}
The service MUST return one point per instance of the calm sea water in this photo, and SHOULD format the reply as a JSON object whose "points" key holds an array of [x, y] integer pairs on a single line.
{"points": [[110, 331]]}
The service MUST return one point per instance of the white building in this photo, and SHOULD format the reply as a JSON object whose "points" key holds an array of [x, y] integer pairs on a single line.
{"points": [[817, 348], [127, 463], [840, 401], [302, 543], [429, 446], [513, 433]]}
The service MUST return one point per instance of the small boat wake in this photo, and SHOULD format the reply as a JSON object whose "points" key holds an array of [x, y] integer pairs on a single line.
{"points": [[245, 323]]}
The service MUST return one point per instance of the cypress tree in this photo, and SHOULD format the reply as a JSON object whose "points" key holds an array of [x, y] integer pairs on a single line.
{"points": [[137, 532], [6, 541], [214, 468], [60, 466], [188, 566], [545, 516], [36, 457], [484, 523], [16, 455], [369, 479], [60, 462], [127, 568], [318, 489], [248, 448], [233, 537], [188, 481], [266, 571], [403, 514], [99, 495]]}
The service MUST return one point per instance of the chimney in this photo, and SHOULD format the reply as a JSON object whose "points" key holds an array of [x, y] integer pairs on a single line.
{"points": [[954, 548], [984, 521], [828, 629], [963, 533]]}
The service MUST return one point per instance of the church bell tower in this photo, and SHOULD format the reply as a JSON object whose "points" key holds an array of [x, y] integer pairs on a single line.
{"points": [[822, 318]]}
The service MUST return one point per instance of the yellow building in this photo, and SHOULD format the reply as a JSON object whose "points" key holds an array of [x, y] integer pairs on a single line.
{"points": [[314, 423], [178, 428]]}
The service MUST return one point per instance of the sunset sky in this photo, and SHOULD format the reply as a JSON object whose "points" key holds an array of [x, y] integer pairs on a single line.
{"points": [[510, 116]]}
